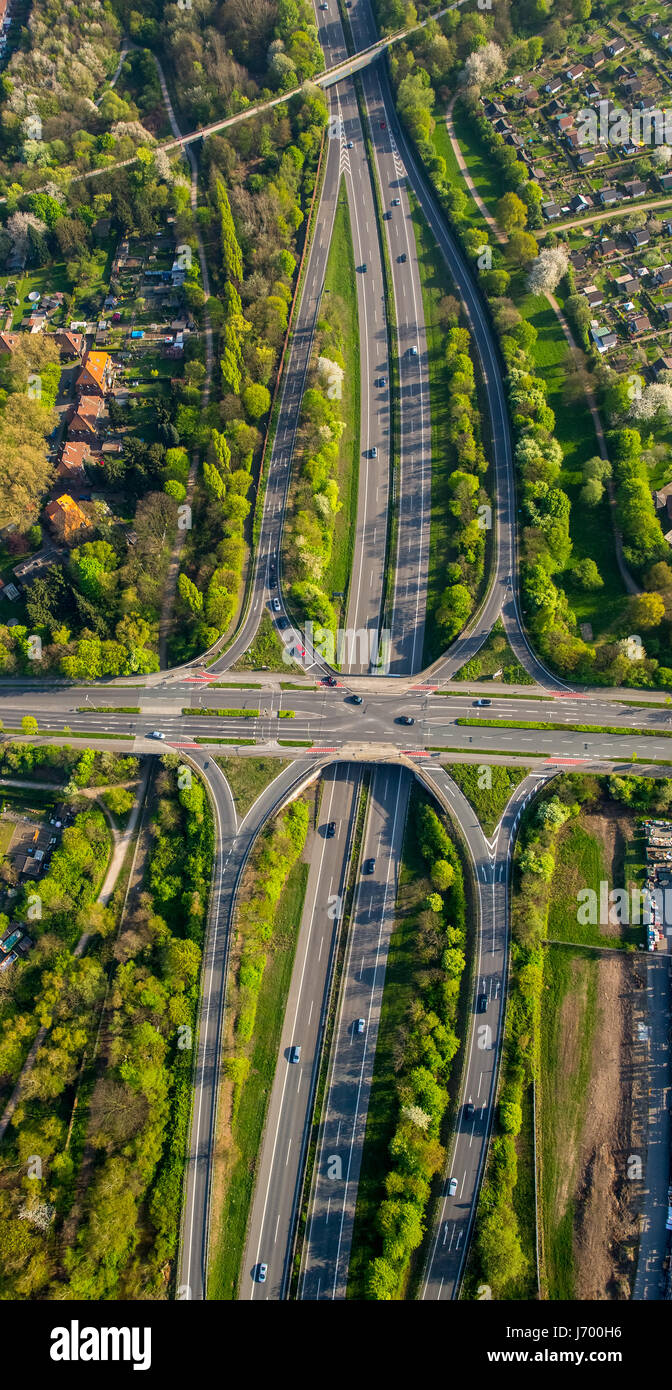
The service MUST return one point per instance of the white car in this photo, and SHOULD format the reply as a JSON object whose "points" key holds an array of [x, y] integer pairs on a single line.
{"points": [[276, 605], [360, 1025], [413, 351], [452, 1187], [261, 1273], [156, 733]]}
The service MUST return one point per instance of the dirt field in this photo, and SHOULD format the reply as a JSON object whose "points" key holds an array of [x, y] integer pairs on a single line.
{"points": [[593, 1091], [607, 1200]]}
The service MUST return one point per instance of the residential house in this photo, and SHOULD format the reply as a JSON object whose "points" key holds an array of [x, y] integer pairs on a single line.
{"points": [[8, 341], [70, 344], [665, 311], [603, 339], [67, 518], [627, 284], [606, 248], [553, 86], [615, 47], [564, 123], [514, 141], [640, 237], [662, 501], [596, 60], [665, 181], [579, 203], [662, 364], [95, 377], [594, 296], [578, 260], [491, 109], [631, 86], [550, 211], [638, 325], [661, 32], [593, 92], [607, 196], [555, 108], [585, 159], [72, 460], [634, 188], [85, 420], [574, 73], [663, 276]]}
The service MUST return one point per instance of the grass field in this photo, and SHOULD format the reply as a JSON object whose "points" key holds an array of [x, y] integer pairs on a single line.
{"points": [[339, 309], [247, 778], [580, 863], [488, 801], [570, 986], [6, 835], [265, 653], [230, 1228]]}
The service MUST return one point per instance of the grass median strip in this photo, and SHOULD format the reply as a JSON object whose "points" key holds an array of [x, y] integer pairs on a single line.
{"points": [[548, 727], [108, 709], [222, 713]]}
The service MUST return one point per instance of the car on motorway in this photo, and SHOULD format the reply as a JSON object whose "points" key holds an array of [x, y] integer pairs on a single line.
{"points": [[380, 381], [373, 452], [156, 733], [295, 1053], [405, 719], [364, 267], [369, 866], [324, 5], [413, 352], [452, 1187], [402, 258], [283, 623], [383, 125], [396, 202], [360, 1025], [355, 699], [349, 145], [330, 829], [481, 1003], [480, 703], [329, 680], [276, 605], [262, 1271], [469, 1109]]}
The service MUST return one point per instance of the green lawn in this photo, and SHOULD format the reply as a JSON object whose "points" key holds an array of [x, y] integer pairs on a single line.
{"points": [[570, 983], [230, 1223], [247, 778], [580, 864], [488, 802], [339, 309], [265, 653]]}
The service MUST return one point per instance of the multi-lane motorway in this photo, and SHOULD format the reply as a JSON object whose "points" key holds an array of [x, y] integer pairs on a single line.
{"points": [[403, 724]]}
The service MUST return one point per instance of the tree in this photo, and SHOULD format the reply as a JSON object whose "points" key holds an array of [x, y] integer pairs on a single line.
{"points": [[547, 271], [587, 575], [442, 874], [511, 213], [453, 609], [29, 724], [256, 400], [592, 492], [646, 610], [484, 67]]}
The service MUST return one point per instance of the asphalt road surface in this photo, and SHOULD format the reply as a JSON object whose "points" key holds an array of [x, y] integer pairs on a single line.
{"points": [[280, 1169], [341, 1139]]}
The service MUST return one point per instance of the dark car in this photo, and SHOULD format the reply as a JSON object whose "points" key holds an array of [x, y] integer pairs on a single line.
{"points": [[482, 1003], [380, 381], [369, 866], [283, 623], [329, 680], [355, 699], [330, 829], [382, 125], [469, 1109], [480, 703], [363, 267], [401, 258], [405, 719]]}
